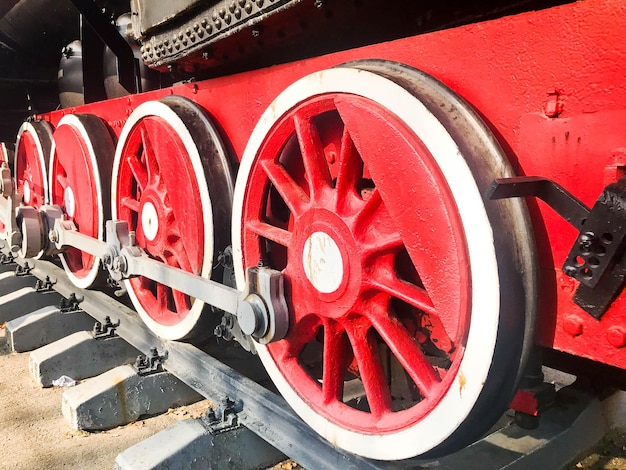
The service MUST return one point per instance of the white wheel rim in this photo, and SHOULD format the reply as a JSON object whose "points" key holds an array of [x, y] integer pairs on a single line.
{"points": [[41, 153], [159, 109], [41, 156], [76, 123], [26, 192], [461, 397]]}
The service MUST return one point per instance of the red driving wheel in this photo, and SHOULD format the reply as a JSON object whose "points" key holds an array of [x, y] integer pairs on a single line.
{"points": [[30, 169], [4, 158], [32, 154], [80, 170], [167, 153], [359, 187]]}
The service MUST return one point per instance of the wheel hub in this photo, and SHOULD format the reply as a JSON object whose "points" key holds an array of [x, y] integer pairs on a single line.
{"points": [[69, 201], [156, 221], [26, 190], [326, 264], [322, 262], [160, 189], [149, 221]]}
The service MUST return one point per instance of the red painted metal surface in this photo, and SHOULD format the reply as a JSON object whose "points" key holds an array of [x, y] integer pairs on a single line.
{"points": [[156, 177], [315, 157], [4, 160], [72, 171], [532, 401], [549, 83], [30, 171]]}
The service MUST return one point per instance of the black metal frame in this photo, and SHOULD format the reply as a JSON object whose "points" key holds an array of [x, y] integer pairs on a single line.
{"points": [[96, 25]]}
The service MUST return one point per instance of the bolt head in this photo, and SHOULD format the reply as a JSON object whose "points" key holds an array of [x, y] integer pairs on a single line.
{"points": [[570, 271], [252, 316], [53, 236], [616, 336], [573, 325], [119, 264]]}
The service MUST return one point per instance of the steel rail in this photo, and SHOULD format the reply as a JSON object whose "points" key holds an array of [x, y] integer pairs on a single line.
{"points": [[260, 410]]}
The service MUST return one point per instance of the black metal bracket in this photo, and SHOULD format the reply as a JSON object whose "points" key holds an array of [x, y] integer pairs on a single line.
{"points": [[23, 270], [150, 364], [44, 286], [557, 197], [106, 329], [597, 259], [71, 304], [224, 416], [7, 258]]}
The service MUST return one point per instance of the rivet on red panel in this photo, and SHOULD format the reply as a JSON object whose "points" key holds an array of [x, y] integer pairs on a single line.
{"points": [[616, 336], [573, 325]]}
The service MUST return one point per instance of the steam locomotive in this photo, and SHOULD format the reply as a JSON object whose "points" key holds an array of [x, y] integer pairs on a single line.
{"points": [[404, 208]]}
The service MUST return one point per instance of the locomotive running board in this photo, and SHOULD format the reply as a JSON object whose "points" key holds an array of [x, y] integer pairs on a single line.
{"points": [[578, 421]]}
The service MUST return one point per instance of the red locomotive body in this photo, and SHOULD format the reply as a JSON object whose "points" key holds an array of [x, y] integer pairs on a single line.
{"points": [[365, 176]]}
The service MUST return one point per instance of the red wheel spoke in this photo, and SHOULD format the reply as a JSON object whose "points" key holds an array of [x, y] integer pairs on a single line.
{"points": [[139, 235], [86, 258], [149, 155], [369, 212], [407, 351], [385, 279], [131, 204], [334, 362], [275, 234], [181, 301], [350, 170], [139, 171], [376, 228], [371, 370], [180, 255], [162, 293], [302, 333], [312, 155], [384, 245], [293, 195], [62, 180]]}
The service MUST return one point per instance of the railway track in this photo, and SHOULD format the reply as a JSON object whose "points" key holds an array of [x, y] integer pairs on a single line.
{"points": [[380, 210], [238, 390], [256, 406]]}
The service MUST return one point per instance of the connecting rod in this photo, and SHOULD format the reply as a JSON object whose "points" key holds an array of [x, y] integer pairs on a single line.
{"points": [[260, 308]]}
